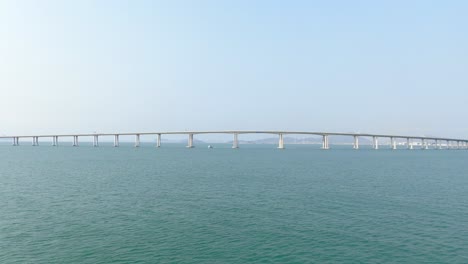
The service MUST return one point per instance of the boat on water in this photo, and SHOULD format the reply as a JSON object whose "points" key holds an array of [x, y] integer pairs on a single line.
{"points": [[210, 147]]}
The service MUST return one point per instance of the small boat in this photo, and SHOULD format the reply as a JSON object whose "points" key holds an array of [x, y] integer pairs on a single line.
{"points": [[209, 146]]}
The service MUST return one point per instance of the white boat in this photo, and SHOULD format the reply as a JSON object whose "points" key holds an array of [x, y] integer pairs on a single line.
{"points": [[209, 146]]}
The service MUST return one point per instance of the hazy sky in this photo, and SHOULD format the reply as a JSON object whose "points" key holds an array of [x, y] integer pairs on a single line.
{"points": [[348, 66]]}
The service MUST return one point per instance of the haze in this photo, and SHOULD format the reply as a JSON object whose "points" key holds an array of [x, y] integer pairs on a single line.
{"points": [[346, 66]]}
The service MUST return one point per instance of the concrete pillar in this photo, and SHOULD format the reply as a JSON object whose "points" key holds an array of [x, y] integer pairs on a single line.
{"points": [[15, 143], [325, 144], [54, 141], [116, 141], [75, 141], [158, 141], [448, 144], [95, 141], [356, 142], [424, 144], [35, 141], [281, 142], [393, 143], [375, 142], [409, 145], [190, 141], [137, 140], [437, 144], [235, 142]]}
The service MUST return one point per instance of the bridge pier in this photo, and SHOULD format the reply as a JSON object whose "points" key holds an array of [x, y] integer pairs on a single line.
{"points": [[137, 140], [375, 142], [95, 141], [158, 141], [281, 142], [448, 144], [393, 143], [55, 141], [75, 141], [116, 141], [325, 143], [235, 142], [356, 142], [35, 141], [190, 141], [409, 145], [424, 144], [16, 141]]}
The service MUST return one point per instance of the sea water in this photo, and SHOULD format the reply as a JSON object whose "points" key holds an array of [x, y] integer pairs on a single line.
{"points": [[255, 204]]}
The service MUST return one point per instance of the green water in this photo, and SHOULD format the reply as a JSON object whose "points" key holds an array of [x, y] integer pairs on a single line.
{"points": [[255, 204]]}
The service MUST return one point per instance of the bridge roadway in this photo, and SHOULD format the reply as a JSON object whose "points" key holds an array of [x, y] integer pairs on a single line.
{"points": [[424, 144]]}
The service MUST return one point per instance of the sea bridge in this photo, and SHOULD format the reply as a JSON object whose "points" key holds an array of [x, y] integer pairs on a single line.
{"points": [[410, 142]]}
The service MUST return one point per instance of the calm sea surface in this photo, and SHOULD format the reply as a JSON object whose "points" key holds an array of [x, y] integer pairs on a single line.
{"points": [[255, 204]]}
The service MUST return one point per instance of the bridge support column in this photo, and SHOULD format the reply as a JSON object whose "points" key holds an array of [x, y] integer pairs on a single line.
{"points": [[54, 141], [448, 144], [375, 142], [393, 143], [408, 144], [158, 141], [15, 141], [356, 142], [190, 141], [458, 144], [423, 143], [325, 144], [95, 141], [35, 141], [437, 144], [281, 142], [116, 141], [235, 142], [137, 140], [75, 141]]}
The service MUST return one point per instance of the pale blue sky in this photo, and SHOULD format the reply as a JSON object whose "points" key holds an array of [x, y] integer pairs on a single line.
{"points": [[349, 66]]}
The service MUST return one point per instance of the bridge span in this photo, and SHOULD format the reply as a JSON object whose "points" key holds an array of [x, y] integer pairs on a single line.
{"points": [[410, 142]]}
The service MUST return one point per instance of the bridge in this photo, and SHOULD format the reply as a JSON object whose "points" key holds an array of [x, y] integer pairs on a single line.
{"points": [[411, 141]]}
